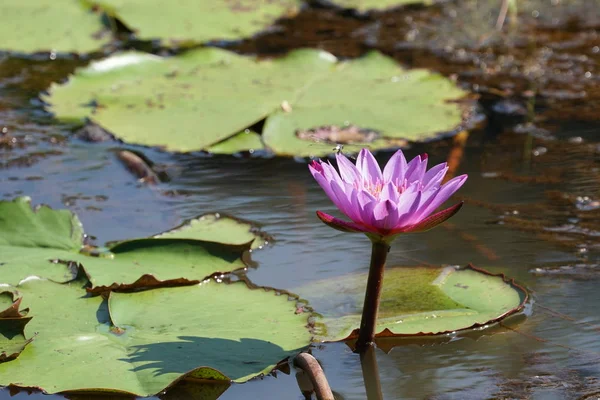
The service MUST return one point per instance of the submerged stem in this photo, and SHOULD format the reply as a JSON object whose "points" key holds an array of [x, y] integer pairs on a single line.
{"points": [[368, 362], [368, 322]]}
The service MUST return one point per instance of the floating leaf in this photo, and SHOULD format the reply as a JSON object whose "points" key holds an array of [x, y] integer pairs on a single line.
{"points": [[199, 20], [48, 244], [373, 5], [219, 229], [65, 26], [243, 141], [22, 226], [309, 99], [143, 342], [147, 263], [374, 94], [416, 301]]}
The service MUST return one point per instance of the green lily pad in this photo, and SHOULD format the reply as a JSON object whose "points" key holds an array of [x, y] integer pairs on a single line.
{"points": [[49, 244], [415, 302], [243, 141], [217, 228], [141, 343], [309, 99], [66, 26], [374, 94], [374, 5], [199, 20], [22, 226], [151, 263]]}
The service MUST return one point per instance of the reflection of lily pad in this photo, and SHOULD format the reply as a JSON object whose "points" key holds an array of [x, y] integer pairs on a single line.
{"points": [[199, 20], [200, 99], [49, 25], [48, 243], [143, 342], [416, 301]]}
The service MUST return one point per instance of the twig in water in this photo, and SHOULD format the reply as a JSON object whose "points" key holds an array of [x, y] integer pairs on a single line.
{"points": [[311, 367]]}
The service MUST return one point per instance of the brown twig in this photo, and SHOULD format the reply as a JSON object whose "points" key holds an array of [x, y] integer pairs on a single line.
{"points": [[313, 370]]}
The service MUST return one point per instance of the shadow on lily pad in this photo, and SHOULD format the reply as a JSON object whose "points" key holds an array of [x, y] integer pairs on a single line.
{"points": [[178, 356]]}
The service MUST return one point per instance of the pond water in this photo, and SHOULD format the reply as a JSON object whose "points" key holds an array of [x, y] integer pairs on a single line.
{"points": [[532, 208]]}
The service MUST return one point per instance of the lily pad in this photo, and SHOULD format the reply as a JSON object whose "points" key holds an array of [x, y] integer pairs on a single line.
{"points": [[373, 5], [218, 228], [243, 141], [416, 302], [199, 20], [49, 244], [309, 99], [141, 343], [66, 26]]}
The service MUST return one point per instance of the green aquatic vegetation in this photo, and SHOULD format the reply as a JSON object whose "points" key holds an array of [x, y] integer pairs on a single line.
{"points": [[203, 99]]}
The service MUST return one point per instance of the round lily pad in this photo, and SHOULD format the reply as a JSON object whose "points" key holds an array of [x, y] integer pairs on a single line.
{"points": [[417, 301], [66, 26], [141, 343], [202, 99], [199, 20]]}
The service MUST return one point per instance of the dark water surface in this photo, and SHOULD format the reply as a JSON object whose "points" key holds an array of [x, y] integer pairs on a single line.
{"points": [[532, 212]]}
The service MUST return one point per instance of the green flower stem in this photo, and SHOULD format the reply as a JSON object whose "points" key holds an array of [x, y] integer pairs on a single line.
{"points": [[368, 322], [368, 363]]}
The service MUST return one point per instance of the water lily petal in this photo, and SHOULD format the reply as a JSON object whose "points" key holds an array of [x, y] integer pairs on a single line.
{"points": [[418, 170], [385, 215], [368, 167], [368, 214], [434, 220], [327, 187], [407, 215], [407, 198], [434, 176], [386, 204], [330, 173], [339, 224], [389, 192], [395, 168], [411, 166], [356, 205], [365, 198], [344, 203], [348, 171], [441, 195]]}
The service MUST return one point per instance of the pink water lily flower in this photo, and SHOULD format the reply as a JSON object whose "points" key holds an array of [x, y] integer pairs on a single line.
{"points": [[384, 204]]}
